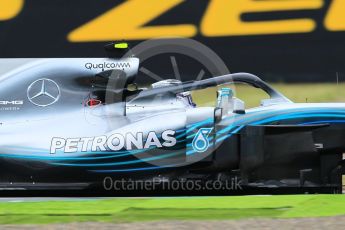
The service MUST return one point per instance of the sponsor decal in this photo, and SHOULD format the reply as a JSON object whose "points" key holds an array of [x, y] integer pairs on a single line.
{"points": [[114, 142], [43, 92], [108, 65], [200, 142], [15, 102], [11, 105], [319, 145]]}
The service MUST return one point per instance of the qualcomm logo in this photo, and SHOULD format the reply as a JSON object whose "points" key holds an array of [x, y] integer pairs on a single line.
{"points": [[43, 92], [200, 142]]}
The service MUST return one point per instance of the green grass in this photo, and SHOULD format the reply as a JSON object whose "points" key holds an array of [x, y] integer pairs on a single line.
{"points": [[119, 210], [311, 92]]}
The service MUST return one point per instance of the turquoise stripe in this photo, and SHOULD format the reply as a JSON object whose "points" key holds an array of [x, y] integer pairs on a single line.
{"points": [[121, 163]]}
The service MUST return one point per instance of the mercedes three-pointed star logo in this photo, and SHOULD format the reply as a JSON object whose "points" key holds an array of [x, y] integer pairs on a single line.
{"points": [[43, 92]]}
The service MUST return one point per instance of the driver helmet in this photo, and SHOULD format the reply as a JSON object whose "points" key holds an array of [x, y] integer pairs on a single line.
{"points": [[184, 97]]}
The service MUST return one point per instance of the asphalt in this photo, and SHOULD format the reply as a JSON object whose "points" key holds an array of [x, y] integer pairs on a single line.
{"points": [[320, 223]]}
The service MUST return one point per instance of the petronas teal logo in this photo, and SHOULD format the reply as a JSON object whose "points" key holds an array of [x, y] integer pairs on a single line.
{"points": [[200, 142]]}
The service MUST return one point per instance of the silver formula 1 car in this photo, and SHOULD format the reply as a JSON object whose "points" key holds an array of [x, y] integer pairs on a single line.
{"points": [[69, 123]]}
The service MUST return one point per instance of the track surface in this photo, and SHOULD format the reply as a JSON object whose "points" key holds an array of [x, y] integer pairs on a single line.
{"points": [[321, 223]]}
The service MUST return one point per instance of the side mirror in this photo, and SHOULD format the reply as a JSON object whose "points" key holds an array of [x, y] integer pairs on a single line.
{"points": [[218, 113], [239, 106]]}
